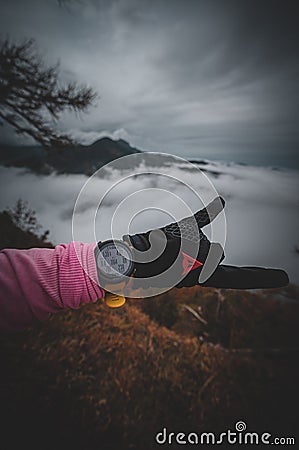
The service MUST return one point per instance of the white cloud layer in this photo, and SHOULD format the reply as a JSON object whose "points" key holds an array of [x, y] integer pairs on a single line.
{"points": [[261, 207]]}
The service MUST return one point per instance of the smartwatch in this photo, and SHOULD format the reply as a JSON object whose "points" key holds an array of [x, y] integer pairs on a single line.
{"points": [[114, 261]]}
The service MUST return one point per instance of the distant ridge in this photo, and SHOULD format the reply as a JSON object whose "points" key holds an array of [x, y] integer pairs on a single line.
{"points": [[75, 159], [82, 159]]}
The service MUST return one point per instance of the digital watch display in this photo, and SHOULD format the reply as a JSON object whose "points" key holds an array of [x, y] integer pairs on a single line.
{"points": [[114, 261]]}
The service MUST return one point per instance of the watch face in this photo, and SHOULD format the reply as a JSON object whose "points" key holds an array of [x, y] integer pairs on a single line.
{"points": [[114, 259]]}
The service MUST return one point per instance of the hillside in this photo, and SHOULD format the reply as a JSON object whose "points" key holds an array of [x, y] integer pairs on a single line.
{"points": [[75, 159], [191, 360]]}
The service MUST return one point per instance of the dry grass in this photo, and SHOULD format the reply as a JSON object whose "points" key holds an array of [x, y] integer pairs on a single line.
{"points": [[96, 378]]}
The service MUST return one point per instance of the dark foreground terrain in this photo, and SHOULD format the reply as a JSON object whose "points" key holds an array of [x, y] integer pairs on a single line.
{"points": [[189, 360]]}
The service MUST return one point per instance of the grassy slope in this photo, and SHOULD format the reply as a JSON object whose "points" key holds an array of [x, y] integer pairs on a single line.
{"points": [[97, 378]]}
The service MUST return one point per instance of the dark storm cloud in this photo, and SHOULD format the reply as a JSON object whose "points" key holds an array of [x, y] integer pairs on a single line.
{"points": [[176, 76]]}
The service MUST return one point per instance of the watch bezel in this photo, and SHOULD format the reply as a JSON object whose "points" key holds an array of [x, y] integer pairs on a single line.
{"points": [[115, 277]]}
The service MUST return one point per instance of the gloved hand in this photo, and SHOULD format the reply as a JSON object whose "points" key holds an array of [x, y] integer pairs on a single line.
{"points": [[181, 255]]}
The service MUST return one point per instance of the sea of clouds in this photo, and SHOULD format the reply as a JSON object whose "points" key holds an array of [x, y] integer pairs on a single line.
{"points": [[262, 208]]}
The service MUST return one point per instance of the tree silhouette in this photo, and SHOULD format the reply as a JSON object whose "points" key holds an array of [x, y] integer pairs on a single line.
{"points": [[32, 96]]}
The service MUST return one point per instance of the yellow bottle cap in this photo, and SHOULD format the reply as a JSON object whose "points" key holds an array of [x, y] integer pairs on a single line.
{"points": [[114, 300]]}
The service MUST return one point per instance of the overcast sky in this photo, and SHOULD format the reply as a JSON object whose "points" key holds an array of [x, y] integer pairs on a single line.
{"points": [[186, 77]]}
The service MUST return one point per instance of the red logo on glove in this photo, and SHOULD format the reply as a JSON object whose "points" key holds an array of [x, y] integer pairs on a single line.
{"points": [[189, 263]]}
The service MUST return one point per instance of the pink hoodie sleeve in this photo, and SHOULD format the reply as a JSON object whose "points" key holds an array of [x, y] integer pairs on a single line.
{"points": [[37, 282]]}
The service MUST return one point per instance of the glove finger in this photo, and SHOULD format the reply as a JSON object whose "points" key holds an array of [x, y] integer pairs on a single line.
{"points": [[190, 227], [208, 214], [232, 277]]}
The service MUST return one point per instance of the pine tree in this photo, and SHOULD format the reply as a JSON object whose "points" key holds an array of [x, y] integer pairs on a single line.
{"points": [[32, 96]]}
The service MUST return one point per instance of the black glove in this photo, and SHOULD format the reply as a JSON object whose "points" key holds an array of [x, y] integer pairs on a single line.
{"points": [[180, 255]]}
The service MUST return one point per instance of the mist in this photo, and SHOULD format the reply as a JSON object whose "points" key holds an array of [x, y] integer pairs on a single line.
{"points": [[261, 207]]}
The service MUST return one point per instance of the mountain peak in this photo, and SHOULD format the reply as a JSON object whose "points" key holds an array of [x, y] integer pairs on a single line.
{"points": [[101, 141], [77, 159], [119, 146]]}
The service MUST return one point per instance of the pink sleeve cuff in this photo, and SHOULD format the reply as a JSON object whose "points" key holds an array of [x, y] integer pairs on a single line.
{"points": [[78, 279], [37, 282]]}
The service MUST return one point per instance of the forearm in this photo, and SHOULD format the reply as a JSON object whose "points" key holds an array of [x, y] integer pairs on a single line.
{"points": [[37, 282]]}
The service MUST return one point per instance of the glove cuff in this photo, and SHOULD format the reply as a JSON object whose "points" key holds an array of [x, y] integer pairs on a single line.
{"points": [[138, 241]]}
